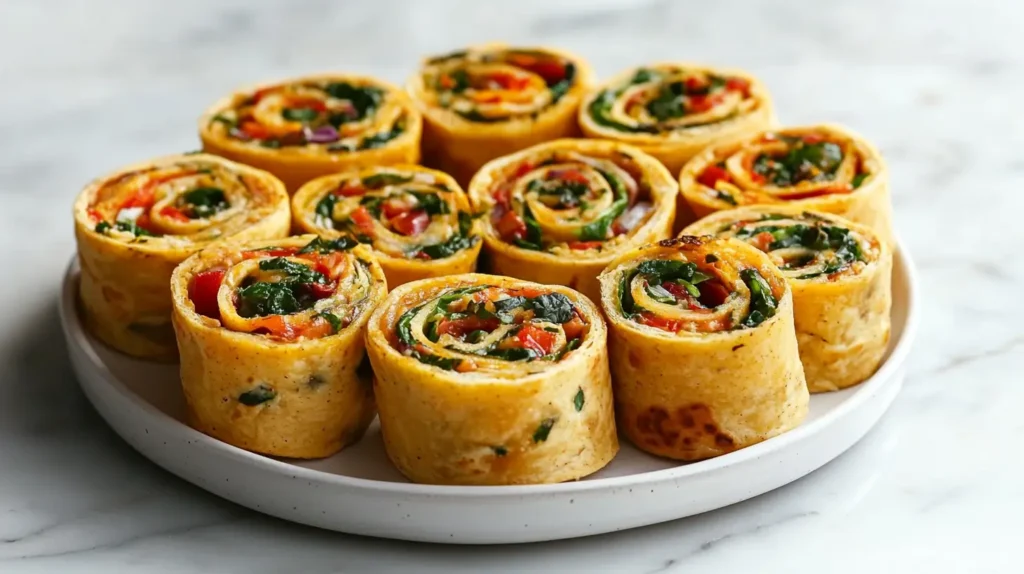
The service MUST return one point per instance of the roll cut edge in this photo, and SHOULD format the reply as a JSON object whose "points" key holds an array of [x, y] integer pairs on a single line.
{"points": [[491, 100], [135, 225], [483, 379], [674, 110], [703, 350], [417, 220], [840, 274], [559, 212], [302, 128], [271, 339], [821, 168]]}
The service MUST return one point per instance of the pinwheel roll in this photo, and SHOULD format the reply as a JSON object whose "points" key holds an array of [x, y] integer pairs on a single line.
{"points": [[303, 128], [417, 220], [489, 101], [821, 168], [840, 275], [483, 379], [673, 110], [271, 339], [559, 212], [136, 224], [703, 351]]}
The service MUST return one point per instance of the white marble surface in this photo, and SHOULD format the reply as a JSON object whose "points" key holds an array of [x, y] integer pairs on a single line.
{"points": [[938, 486]]}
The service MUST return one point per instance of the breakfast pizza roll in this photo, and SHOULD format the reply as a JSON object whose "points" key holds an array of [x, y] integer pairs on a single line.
{"points": [[302, 128], [271, 340], [821, 168], [559, 212], [674, 110], [840, 275], [417, 220], [703, 350], [135, 225], [483, 379], [488, 101]]}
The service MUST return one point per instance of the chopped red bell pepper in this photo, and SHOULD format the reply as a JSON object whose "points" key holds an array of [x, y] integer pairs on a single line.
{"points": [[584, 245], [362, 218], [535, 338], [712, 175], [171, 212], [411, 222], [466, 325], [202, 290], [737, 85], [511, 227]]}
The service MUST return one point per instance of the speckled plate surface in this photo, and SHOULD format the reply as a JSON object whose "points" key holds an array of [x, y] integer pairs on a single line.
{"points": [[359, 492]]}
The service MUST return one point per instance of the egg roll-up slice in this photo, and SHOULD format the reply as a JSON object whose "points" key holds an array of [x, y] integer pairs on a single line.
{"points": [[271, 337], [302, 128], [820, 168], [489, 101], [417, 220], [840, 274], [703, 350], [559, 212], [135, 225], [483, 379], [674, 110]]}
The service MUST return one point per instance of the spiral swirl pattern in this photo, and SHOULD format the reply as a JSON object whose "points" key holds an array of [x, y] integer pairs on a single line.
{"points": [[181, 201], [696, 285], [493, 84]]}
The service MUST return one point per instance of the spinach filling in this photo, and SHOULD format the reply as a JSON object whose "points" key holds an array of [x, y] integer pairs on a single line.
{"points": [[813, 162], [762, 302], [656, 272], [669, 103], [597, 230], [257, 395], [549, 307], [364, 99], [124, 225], [816, 237], [203, 202], [457, 242], [294, 291]]}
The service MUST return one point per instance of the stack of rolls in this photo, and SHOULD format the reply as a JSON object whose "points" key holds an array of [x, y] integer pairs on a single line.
{"points": [[593, 318], [271, 340], [303, 128], [488, 101], [135, 225], [417, 220], [483, 379], [560, 212]]}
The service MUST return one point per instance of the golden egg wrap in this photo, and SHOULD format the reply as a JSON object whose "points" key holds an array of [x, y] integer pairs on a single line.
{"points": [[691, 395], [842, 323], [443, 427], [398, 267], [297, 164], [461, 146], [675, 141], [868, 203], [322, 391], [575, 269], [124, 292]]}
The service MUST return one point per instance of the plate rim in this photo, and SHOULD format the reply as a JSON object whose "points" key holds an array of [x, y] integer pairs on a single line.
{"points": [[73, 330]]}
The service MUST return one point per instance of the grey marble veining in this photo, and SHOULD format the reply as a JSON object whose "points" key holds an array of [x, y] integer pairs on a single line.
{"points": [[938, 486]]}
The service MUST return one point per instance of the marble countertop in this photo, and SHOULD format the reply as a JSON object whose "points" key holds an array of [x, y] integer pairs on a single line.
{"points": [[937, 486]]}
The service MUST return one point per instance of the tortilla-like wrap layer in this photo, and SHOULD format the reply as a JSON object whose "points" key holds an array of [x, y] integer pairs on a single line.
{"points": [[819, 168], [483, 379], [492, 100], [293, 384], [840, 273], [302, 128], [559, 212], [417, 220], [135, 225], [703, 350], [674, 110]]}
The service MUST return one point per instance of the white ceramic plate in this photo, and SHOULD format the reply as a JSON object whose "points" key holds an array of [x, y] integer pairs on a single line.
{"points": [[358, 491]]}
